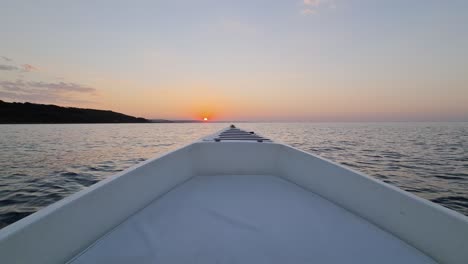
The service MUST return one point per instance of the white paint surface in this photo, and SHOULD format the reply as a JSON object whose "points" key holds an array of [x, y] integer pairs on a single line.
{"points": [[247, 219]]}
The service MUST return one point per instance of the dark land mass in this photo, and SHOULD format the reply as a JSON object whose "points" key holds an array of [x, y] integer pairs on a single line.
{"points": [[28, 113]]}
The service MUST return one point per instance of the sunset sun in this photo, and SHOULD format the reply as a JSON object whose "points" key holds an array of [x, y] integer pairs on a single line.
{"points": [[205, 119]]}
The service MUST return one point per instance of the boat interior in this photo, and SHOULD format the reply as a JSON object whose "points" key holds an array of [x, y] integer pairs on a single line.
{"points": [[246, 219]]}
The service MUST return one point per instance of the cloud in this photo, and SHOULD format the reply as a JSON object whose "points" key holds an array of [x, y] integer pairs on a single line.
{"points": [[312, 2], [23, 68], [44, 91], [310, 7], [62, 86], [29, 68], [8, 68], [58, 87], [308, 11], [237, 27], [40, 91]]}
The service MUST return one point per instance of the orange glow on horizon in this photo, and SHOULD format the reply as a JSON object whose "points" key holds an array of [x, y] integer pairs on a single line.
{"points": [[205, 114]]}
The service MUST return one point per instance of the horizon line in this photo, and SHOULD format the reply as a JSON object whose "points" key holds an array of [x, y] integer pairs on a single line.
{"points": [[307, 121]]}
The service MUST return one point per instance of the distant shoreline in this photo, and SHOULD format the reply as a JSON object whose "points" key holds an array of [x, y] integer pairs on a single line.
{"points": [[29, 113], [106, 123]]}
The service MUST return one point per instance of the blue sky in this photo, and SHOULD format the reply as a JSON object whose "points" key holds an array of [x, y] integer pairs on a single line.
{"points": [[257, 60]]}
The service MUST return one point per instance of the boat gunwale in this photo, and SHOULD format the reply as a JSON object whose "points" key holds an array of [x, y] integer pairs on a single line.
{"points": [[439, 207], [47, 210]]}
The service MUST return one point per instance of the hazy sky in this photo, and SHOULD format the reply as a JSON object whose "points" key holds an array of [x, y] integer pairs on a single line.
{"points": [[245, 60]]}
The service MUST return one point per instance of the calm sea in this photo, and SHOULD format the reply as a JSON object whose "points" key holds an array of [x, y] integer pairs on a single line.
{"points": [[41, 164]]}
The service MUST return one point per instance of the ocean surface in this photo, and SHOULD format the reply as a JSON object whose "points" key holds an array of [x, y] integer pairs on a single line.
{"points": [[41, 164]]}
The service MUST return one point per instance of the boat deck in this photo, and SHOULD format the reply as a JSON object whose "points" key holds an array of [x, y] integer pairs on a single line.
{"points": [[246, 219]]}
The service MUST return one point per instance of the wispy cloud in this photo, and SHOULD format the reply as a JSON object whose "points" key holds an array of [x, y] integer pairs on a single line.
{"points": [[40, 91], [308, 11], [313, 2], [62, 86], [20, 85], [8, 68], [237, 27], [310, 7], [29, 68], [43, 91], [24, 67]]}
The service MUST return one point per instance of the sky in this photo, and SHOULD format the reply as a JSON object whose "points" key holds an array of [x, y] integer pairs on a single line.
{"points": [[310, 60]]}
